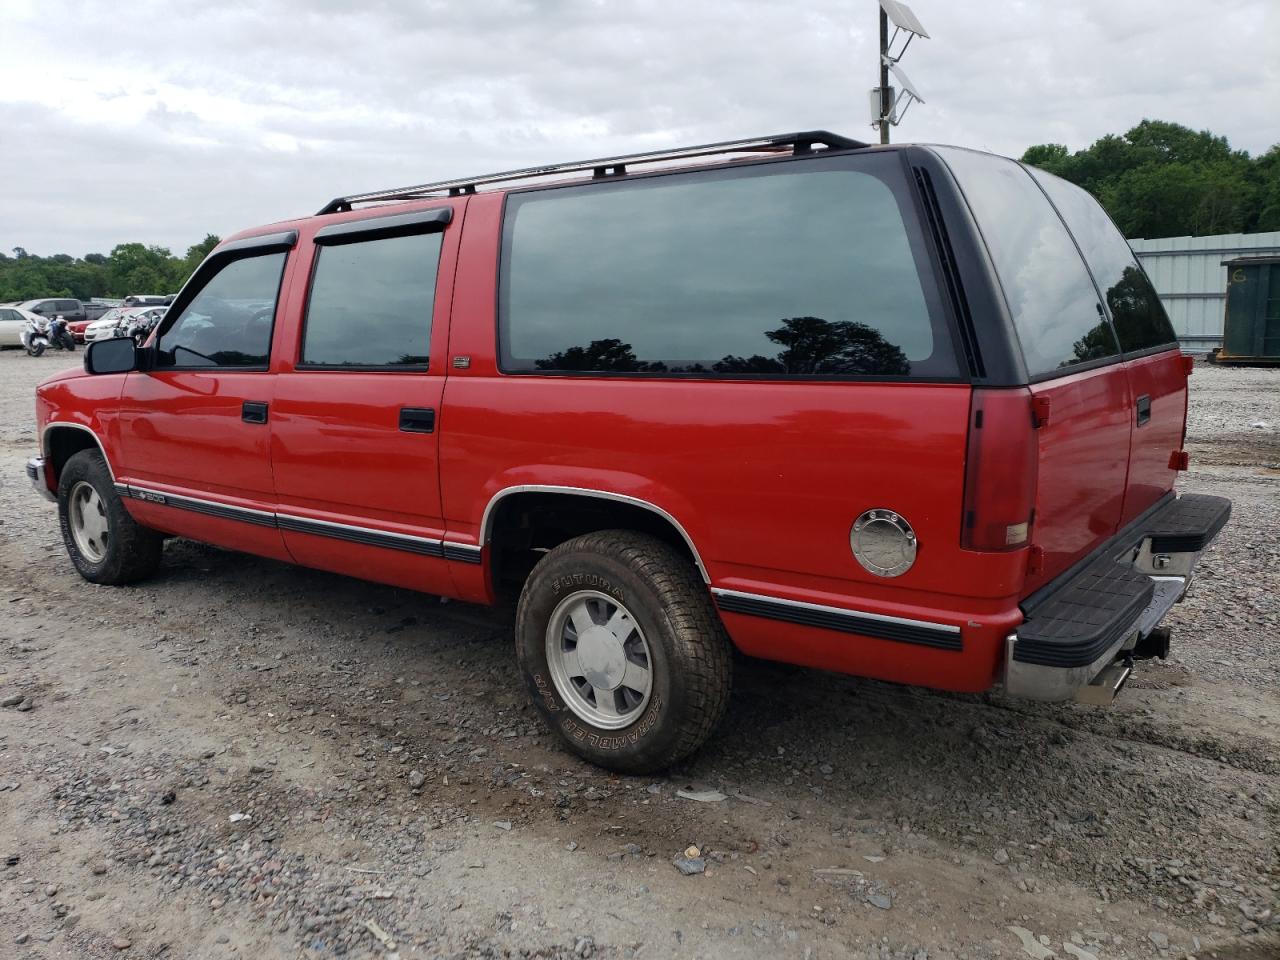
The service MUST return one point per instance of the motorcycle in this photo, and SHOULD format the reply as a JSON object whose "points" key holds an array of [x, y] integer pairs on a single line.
{"points": [[139, 326], [40, 333], [35, 336], [60, 335]]}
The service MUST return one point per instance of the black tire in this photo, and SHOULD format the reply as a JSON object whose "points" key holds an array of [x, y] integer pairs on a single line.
{"points": [[36, 349], [689, 651], [132, 551]]}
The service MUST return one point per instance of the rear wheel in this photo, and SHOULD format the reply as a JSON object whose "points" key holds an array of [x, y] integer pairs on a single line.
{"points": [[622, 650], [105, 543]]}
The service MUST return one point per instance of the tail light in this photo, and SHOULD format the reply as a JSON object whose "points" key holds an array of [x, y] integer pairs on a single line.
{"points": [[1001, 471]]}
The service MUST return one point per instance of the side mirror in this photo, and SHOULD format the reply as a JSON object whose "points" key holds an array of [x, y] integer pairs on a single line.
{"points": [[117, 355]]}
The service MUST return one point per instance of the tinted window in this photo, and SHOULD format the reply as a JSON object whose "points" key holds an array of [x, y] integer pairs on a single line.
{"points": [[1136, 311], [68, 306], [795, 269], [1051, 297], [371, 303], [228, 324]]}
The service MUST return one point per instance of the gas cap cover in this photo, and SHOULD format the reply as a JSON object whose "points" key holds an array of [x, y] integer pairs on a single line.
{"points": [[883, 542]]}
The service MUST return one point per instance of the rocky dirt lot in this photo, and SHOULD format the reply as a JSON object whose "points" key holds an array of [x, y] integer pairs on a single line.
{"points": [[245, 759]]}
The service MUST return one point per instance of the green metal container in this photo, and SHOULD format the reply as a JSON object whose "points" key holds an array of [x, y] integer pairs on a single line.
{"points": [[1252, 324]]}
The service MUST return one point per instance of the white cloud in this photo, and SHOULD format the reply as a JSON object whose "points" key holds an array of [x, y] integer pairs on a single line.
{"points": [[162, 121]]}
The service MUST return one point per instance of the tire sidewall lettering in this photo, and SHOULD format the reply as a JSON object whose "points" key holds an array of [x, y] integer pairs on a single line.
{"points": [[586, 581], [576, 730]]}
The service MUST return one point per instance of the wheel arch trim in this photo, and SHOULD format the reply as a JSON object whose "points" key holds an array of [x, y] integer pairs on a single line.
{"points": [[486, 520], [58, 424]]}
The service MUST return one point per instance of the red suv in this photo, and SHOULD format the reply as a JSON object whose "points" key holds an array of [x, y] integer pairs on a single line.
{"points": [[905, 412]]}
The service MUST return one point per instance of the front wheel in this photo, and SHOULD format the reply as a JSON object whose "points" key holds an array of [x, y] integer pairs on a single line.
{"points": [[104, 542], [36, 348], [623, 651]]}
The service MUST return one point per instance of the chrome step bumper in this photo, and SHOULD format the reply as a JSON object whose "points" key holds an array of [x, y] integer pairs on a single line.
{"points": [[1080, 632]]}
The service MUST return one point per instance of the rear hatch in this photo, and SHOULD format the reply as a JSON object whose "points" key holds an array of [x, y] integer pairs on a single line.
{"points": [[1107, 388], [1155, 368]]}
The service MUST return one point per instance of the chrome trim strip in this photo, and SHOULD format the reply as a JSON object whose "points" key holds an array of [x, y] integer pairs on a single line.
{"points": [[821, 608], [178, 501], [353, 533], [841, 620], [44, 441], [463, 552], [485, 520], [368, 536]]}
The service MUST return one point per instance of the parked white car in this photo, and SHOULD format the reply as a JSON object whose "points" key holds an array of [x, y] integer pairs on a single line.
{"points": [[104, 328], [12, 320], [123, 321]]}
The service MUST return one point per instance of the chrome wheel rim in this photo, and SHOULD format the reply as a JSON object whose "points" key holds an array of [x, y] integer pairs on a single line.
{"points": [[599, 659], [90, 528]]}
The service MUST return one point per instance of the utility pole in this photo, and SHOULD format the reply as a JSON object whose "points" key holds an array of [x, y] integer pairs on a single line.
{"points": [[886, 96], [885, 100]]}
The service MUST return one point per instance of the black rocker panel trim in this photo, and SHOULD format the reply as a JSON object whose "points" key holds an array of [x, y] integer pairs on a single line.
{"points": [[220, 510], [842, 621], [423, 546], [462, 553], [368, 538]]}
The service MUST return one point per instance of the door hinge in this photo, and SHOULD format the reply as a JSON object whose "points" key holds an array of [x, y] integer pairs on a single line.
{"points": [[1179, 460], [1040, 411]]}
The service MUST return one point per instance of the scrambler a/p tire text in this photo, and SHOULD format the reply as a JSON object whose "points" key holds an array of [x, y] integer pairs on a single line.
{"points": [[623, 651]]}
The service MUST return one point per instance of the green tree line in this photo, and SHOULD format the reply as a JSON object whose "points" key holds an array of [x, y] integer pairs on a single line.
{"points": [[1165, 180], [129, 268]]}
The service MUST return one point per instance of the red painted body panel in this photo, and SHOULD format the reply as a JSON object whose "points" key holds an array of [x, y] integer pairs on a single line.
{"points": [[766, 478], [1163, 378], [1084, 460], [338, 453]]}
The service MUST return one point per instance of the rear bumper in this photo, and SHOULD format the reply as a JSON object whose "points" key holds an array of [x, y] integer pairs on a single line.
{"points": [[36, 474], [1080, 631]]}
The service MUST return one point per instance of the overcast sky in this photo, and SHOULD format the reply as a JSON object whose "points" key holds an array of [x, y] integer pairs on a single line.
{"points": [[128, 120]]}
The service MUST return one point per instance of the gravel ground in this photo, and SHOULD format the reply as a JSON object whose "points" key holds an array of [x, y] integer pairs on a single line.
{"points": [[245, 759]]}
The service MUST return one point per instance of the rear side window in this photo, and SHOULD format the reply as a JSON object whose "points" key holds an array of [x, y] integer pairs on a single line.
{"points": [[371, 303], [1136, 310], [1051, 297], [804, 269], [228, 323]]}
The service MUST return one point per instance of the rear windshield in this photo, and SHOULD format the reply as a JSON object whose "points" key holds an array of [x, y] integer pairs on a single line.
{"points": [[1054, 305], [1136, 311], [803, 269]]}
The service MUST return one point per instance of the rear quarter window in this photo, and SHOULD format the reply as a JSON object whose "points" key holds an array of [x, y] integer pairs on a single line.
{"points": [[805, 269], [1052, 300], [1136, 310]]}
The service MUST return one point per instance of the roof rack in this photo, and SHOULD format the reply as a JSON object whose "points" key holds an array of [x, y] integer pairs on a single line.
{"points": [[798, 143]]}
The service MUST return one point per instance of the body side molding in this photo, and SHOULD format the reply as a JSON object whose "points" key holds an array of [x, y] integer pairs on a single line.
{"points": [[352, 533], [943, 636]]}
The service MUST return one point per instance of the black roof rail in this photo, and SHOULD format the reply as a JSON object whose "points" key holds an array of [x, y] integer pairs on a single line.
{"points": [[798, 143]]}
